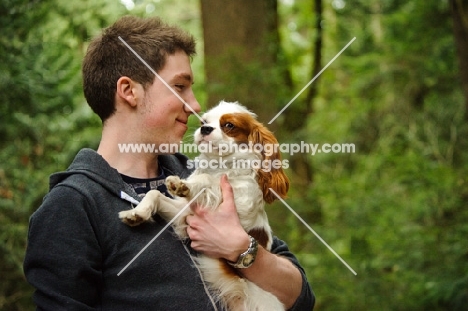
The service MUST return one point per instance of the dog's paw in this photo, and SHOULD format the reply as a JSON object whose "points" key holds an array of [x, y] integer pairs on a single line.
{"points": [[132, 217], [177, 187]]}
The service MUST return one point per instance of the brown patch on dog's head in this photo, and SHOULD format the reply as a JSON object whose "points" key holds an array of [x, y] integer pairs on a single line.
{"points": [[245, 129]]}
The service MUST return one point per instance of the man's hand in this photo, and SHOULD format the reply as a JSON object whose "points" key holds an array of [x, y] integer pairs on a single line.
{"points": [[218, 233]]}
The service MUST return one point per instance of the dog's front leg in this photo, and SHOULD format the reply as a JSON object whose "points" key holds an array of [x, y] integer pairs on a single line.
{"points": [[169, 208], [157, 203], [177, 187], [192, 186], [154, 202], [143, 211]]}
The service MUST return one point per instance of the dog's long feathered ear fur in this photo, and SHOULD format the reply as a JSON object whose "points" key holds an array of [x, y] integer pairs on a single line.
{"points": [[269, 178]]}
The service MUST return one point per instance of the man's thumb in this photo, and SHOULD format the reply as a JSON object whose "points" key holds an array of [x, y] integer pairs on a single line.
{"points": [[226, 189]]}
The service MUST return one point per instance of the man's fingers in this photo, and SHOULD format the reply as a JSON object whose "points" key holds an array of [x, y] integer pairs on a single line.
{"points": [[226, 189], [195, 207]]}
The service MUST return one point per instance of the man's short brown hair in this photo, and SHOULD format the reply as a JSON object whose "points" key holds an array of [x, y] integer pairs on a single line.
{"points": [[107, 58]]}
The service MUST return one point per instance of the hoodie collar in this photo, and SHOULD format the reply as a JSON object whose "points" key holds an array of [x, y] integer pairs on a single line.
{"points": [[91, 164], [88, 162]]}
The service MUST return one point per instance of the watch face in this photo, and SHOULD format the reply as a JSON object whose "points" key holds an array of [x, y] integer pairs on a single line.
{"points": [[248, 259]]}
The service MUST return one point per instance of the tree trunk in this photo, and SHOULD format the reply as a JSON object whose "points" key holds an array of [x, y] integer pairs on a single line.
{"points": [[240, 53]]}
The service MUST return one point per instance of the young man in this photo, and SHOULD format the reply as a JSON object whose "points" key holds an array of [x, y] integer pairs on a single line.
{"points": [[78, 246]]}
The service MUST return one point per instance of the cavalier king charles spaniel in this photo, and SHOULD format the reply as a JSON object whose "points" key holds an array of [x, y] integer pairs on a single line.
{"points": [[233, 143]]}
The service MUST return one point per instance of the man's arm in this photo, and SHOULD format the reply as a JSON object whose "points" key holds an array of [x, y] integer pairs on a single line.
{"points": [[63, 255], [219, 234], [281, 277]]}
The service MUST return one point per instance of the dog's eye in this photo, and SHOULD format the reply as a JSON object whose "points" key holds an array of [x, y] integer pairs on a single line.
{"points": [[229, 125]]}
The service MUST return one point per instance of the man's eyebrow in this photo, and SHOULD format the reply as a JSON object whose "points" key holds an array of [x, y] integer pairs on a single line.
{"points": [[184, 76]]}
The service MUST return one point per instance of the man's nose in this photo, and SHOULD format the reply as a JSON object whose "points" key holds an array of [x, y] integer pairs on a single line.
{"points": [[193, 103]]}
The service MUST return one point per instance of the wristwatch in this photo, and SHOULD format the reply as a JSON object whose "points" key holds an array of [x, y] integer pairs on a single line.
{"points": [[247, 258]]}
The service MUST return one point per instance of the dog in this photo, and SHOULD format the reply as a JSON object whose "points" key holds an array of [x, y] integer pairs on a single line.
{"points": [[234, 143]]}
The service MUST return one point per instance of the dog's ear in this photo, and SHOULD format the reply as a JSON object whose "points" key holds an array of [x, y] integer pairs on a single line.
{"points": [[270, 174]]}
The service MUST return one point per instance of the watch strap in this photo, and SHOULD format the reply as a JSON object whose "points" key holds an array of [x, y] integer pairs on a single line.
{"points": [[247, 258]]}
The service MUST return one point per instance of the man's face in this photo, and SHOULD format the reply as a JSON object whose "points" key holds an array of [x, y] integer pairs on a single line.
{"points": [[164, 115]]}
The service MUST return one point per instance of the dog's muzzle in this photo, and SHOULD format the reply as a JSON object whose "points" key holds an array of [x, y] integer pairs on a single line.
{"points": [[206, 130]]}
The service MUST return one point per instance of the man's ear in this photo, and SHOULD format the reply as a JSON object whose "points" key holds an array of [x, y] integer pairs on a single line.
{"points": [[129, 91]]}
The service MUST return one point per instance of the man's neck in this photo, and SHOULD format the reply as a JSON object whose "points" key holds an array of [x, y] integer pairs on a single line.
{"points": [[131, 163]]}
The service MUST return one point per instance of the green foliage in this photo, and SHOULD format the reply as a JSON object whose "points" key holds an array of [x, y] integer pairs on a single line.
{"points": [[395, 209], [42, 118]]}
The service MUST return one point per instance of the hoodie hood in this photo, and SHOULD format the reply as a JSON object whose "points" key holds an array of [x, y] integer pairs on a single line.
{"points": [[91, 164]]}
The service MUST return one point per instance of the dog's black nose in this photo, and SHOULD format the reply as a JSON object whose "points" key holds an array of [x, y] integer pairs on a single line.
{"points": [[206, 130]]}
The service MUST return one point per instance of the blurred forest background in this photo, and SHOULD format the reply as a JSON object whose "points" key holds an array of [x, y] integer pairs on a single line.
{"points": [[395, 210]]}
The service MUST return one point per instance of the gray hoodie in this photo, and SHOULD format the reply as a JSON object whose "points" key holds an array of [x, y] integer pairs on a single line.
{"points": [[77, 246]]}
